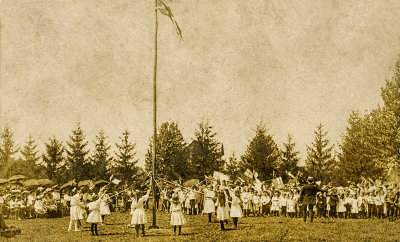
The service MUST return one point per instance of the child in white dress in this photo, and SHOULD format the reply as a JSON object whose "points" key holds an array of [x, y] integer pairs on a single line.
{"points": [[236, 210], [75, 211], [209, 207], [139, 215], [275, 204], [94, 216], [341, 206], [222, 208], [256, 200], [354, 206], [290, 205], [177, 218], [104, 207]]}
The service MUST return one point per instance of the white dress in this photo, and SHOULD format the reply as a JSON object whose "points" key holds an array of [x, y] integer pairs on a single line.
{"points": [[76, 210], [133, 204], [354, 205], [104, 208], [139, 215], [236, 210], [177, 217], [275, 203], [246, 200], [209, 206], [39, 207], [222, 211], [290, 205], [341, 206], [94, 215]]}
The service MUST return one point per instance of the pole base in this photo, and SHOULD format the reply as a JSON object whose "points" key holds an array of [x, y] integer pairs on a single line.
{"points": [[154, 227]]}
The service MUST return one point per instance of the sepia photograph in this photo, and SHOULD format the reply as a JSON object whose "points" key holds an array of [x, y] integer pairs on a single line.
{"points": [[199, 120]]}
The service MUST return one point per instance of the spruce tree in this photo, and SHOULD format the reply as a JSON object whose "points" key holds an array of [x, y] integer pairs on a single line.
{"points": [[171, 162], [101, 159], [124, 164], [233, 167], [53, 162], [320, 163], [79, 167], [371, 143], [205, 151], [262, 154], [355, 157], [30, 158], [8, 149], [289, 161]]}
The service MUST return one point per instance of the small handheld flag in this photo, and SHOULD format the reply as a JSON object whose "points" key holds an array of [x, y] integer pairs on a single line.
{"points": [[164, 9], [116, 181]]}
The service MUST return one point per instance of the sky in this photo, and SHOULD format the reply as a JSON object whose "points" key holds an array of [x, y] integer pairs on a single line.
{"points": [[292, 64]]}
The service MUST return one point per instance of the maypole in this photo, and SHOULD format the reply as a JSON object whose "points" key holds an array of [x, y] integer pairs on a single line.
{"points": [[165, 10], [154, 225]]}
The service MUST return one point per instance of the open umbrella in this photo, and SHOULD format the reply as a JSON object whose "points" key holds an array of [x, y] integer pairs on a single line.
{"points": [[68, 184], [84, 183], [31, 183], [17, 178], [3, 181], [45, 182], [191, 182]]}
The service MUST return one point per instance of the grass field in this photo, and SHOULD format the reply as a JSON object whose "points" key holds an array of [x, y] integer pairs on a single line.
{"points": [[198, 229]]}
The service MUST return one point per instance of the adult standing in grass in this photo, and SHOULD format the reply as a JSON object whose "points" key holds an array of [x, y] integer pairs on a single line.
{"points": [[307, 198]]}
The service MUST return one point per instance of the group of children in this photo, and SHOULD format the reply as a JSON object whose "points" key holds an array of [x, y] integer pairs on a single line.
{"points": [[331, 202], [225, 201], [80, 205], [20, 204]]}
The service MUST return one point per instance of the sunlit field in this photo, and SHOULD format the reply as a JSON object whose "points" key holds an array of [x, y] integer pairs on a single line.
{"points": [[198, 229]]}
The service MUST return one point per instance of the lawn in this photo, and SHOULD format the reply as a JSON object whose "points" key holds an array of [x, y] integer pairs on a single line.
{"points": [[198, 229]]}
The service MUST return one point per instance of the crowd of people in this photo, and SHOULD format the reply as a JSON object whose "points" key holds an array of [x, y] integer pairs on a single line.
{"points": [[351, 202], [216, 198]]}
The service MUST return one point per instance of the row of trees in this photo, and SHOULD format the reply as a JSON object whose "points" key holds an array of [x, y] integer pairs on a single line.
{"points": [[369, 147], [176, 159], [61, 163]]}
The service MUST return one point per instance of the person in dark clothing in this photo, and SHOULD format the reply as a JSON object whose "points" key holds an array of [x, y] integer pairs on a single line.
{"points": [[307, 198]]}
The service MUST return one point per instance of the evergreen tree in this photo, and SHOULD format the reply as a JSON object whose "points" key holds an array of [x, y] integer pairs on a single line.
{"points": [[289, 161], [7, 151], [171, 162], [371, 143], [388, 120], [101, 159], [124, 165], [262, 154], [30, 158], [233, 167], [77, 163], [356, 158], [53, 162], [320, 163], [205, 151]]}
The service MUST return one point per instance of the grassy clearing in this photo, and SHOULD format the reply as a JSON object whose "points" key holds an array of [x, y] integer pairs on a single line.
{"points": [[198, 229]]}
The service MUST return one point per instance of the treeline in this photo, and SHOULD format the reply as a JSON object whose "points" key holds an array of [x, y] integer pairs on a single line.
{"points": [[369, 147]]}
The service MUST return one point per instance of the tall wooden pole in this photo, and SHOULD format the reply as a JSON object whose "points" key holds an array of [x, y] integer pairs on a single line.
{"points": [[154, 225], [1, 90]]}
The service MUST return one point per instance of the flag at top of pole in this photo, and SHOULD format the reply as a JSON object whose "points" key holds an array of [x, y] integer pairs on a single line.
{"points": [[164, 9]]}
